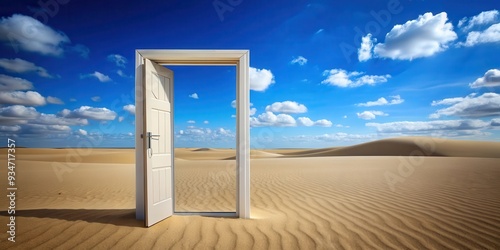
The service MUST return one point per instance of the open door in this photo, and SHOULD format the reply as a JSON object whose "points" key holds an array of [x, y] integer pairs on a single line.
{"points": [[154, 151], [157, 141]]}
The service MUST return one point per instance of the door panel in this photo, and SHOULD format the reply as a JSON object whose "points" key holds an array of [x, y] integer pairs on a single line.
{"points": [[158, 142]]}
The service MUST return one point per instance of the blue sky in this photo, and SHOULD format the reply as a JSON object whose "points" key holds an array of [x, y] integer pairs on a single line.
{"points": [[323, 73]]}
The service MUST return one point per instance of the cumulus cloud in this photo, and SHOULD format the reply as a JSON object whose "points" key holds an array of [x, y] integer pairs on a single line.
{"points": [[9, 83], [98, 75], [483, 18], [51, 119], [95, 98], [343, 78], [365, 51], [194, 96], [129, 108], [204, 134], [490, 35], [300, 60], [205, 122], [490, 79], [423, 37], [82, 132], [29, 98], [119, 60], [191, 122], [45, 129], [306, 121], [22, 66], [17, 114], [429, 126], [487, 104], [28, 34], [86, 112], [370, 115], [260, 79], [10, 129], [269, 119], [289, 107], [54, 100], [382, 101]]}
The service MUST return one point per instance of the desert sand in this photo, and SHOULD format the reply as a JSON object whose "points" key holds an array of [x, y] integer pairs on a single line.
{"points": [[403, 193]]}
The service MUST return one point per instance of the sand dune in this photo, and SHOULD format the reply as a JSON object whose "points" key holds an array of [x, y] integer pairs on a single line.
{"points": [[405, 146], [297, 202]]}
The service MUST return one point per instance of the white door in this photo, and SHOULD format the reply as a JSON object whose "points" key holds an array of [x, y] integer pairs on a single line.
{"points": [[157, 135]]}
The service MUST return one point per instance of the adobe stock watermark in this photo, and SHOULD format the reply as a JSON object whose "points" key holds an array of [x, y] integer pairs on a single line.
{"points": [[407, 164], [223, 6], [381, 19], [46, 10]]}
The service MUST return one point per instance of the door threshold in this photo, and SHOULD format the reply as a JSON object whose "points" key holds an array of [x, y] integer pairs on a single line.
{"points": [[209, 214]]}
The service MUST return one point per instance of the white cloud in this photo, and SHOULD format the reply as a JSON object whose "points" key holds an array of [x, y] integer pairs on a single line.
{"points": [[82, 132], [194, 96], [95, 98], [119, 60], [345, 117], [205, 122], [306, 121], [98, 75], [365, 51], [343, 137], [195, 134], [428, 126], [21, 66], [382, 101], [9, 83], [86, 112], [487, 104], [370, 115], [17, 112], [260, 79], [289, 107], [54, 100], [10, 129], [191, 122], [129, 108], [300, 60], [323, 123], [51, 119], [423, 37], [483, 18], [45, 129], [490, 35], [271, 120], [121, 118], [343, 78], [29, 34], [29, 98], [490, 79], [122, 74]]}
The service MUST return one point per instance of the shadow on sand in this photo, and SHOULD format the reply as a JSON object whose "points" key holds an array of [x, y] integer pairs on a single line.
{"points": [[118, 217]]}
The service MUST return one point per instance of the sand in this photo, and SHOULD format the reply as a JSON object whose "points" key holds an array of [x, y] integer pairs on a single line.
{"points": [[405, 193]]}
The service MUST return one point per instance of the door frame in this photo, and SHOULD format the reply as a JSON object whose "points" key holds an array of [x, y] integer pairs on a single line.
{"points": [[238, 58]]}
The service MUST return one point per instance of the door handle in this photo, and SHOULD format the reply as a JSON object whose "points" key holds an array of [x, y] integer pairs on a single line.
{"points": [[149, 135]]}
